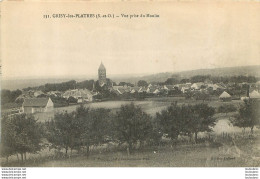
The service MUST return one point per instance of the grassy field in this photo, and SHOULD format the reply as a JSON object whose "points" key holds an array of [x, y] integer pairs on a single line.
{"points": [[150, 105], [241, 152]]}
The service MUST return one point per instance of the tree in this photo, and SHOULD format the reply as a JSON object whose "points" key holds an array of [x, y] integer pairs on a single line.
{"points": [[200, 119], [93, 126], [171, 81], [174, 91], [202, 96], [142, 83], [21, 134], [239, 121], [8, 96], [62, 131], [72, 100], [131, 125], [170, 121], [125, 83], [88, 84], [185, 80], [249, 115], [59, 86], [226, 108], [189, 94], [8, 138], [82, 128], [59, 101], [199, 78]]}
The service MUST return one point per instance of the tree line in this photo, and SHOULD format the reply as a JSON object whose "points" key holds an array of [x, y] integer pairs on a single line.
{"points": [[213, 79], [64, 86], [130, 125], [8, 96], [88, 84]]}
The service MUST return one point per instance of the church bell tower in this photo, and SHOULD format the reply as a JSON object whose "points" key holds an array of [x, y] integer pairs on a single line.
{"points": [[102, 75]]}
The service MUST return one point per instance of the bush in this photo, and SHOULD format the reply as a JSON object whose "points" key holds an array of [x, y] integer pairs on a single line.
{"points": [[226, 108]]}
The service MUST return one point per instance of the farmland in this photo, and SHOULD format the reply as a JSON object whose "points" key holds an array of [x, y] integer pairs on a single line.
{"points": [[150, 105], [243, 152], [229, 147]]}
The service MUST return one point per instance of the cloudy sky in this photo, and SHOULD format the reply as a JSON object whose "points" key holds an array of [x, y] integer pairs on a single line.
{"points": [[186, 36]]}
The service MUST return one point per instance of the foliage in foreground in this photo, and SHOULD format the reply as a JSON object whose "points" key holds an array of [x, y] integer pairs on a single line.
{"points": [[132, 125], [82, 128], [20, 134], [186, 119], [249, 115], [85, 127]]}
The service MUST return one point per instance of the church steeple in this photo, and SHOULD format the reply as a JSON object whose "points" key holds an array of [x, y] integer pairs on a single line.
{"points": [[102, 75], [101, 66]]}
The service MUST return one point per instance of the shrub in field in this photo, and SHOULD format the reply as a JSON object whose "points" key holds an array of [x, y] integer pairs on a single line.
{"points": [[20, 134], [226, 108], [188, 94], [132, 125], [202, 96]]}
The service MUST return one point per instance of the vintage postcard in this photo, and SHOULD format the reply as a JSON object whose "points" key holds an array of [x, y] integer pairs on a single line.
{"points": [[130, 84]]}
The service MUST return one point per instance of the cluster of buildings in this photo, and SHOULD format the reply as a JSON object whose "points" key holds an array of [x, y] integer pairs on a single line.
{"points": [[38, 101], [165, 89]]}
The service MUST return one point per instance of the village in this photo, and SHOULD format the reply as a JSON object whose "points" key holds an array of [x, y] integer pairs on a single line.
{"points": [[130, 84], [38, 101], [202, 111]]}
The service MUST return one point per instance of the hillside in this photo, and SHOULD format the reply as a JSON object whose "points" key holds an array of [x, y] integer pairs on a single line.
{"points": [[159, 77], [228, 71]]}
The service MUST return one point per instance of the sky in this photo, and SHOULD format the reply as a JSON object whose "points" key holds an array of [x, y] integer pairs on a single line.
{"points": [[186, 36]]}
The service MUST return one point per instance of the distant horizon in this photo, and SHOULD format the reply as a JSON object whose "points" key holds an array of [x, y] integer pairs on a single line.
{"points": [[95, 76]]}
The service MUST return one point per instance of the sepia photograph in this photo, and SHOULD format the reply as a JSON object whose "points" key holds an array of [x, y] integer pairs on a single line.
{"points": [[130, 84]]}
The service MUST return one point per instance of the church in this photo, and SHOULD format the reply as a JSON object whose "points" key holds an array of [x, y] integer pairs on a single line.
{"points": [[102, 79]]}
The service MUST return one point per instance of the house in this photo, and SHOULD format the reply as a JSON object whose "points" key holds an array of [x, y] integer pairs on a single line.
{"points": [[54, 93], [134, 90], [142, 90], [221, 85], [33, 105], [208, 81], [82, 95], [197, 86], [122, 89], [38, 94], [150, 85], [168, 87], [156, 91], [225, 96], [184, 87], [257, 84], [254, 95], [214, 87]]}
